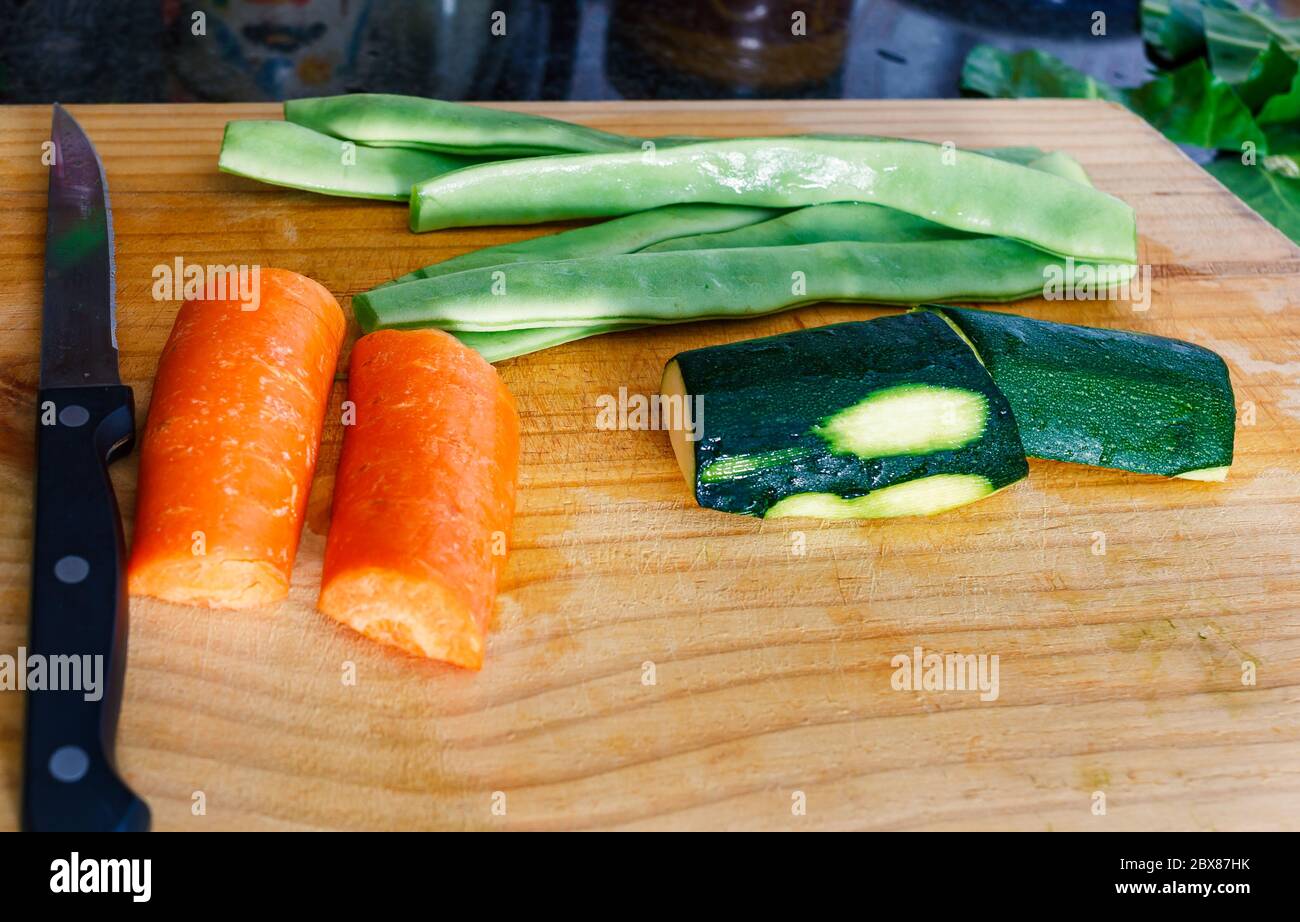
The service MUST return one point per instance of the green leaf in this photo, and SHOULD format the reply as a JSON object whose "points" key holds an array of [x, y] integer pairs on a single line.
{"points": [[1232, 33], [1235, 37], [1190, 105], [1251, 92], [1193, 106], [1174, 28], [1275, 197], [994, 72], [1284, 107], [1271, 74], [1280, 120]]}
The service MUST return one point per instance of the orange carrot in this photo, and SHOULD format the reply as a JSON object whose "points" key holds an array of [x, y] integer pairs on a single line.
{"points": [[231, 442], [424, 498]]}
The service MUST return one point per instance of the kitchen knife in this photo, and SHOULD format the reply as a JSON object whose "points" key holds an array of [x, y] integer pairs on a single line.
{"points": [[85, 421]]}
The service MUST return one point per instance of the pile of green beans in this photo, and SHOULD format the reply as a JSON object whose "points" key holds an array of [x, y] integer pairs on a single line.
{"points": [[563, 293], [699, 228]]}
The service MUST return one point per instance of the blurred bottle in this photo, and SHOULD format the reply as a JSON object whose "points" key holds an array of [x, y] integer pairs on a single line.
{"points": [[727, 48]]}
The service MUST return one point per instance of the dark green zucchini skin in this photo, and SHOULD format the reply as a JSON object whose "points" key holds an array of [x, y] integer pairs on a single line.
{"points": [[768, 394], [1109, 398]]}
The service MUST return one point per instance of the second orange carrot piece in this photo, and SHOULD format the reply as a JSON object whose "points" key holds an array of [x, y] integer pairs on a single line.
{"points": [[425, 495]]}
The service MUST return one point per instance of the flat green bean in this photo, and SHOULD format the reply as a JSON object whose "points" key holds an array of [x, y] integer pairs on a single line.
{"points": [[1061, 164], [383, 119], [609, 238], [496, 347], [393, 120], [285, 154], [856, 221], [846, 221], [959, 189], [673, 287], [1021, 155], [814, 224]]}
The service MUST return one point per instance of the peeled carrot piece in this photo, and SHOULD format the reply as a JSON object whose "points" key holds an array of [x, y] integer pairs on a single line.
{"points": [[424, 499], [230, 444]]}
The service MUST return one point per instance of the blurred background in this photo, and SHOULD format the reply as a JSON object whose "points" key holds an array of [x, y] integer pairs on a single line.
{"points": [[169, 50]]}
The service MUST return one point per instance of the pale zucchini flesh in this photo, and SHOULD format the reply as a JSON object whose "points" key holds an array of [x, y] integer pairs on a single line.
{"points": [[907, 419], [927, 496]]}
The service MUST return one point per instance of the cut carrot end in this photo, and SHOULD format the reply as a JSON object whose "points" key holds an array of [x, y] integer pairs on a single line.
{"points": [[420, 616], [210, 582]]}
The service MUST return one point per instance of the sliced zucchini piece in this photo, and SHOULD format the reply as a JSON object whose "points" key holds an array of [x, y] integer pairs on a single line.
{"points": [[1109, 398], [874, 418]]}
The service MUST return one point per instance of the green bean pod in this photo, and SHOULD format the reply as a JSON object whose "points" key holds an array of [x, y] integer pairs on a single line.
{"points": [[285, 154], [383, 119], [814, 224], [844, 221], [1061, 164], [960, 189], [674, 287], [609, 238], [497, 347]]}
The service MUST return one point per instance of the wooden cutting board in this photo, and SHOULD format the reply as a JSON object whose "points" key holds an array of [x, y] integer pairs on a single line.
{"points": [[656, 665]]}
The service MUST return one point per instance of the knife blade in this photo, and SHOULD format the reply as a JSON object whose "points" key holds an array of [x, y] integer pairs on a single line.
{"points": [[85, 421], [79, 319]]}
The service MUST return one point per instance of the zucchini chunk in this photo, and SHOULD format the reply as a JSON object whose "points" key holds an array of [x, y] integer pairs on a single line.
{"points": [[1109, 398], [869, 419]]}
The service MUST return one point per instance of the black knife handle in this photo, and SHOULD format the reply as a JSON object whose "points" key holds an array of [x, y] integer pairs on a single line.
{"points": [[70, 781]]}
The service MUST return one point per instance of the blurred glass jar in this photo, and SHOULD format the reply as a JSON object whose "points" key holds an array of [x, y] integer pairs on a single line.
{"points": [[727, 47]]}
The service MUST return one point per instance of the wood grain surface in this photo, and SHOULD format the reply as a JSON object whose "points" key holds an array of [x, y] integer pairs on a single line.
{"points": [[769, 644]]}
